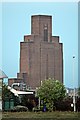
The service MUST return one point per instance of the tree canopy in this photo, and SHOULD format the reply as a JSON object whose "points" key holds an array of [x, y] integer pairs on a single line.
{"points": [[79, 91], [50, 91]]}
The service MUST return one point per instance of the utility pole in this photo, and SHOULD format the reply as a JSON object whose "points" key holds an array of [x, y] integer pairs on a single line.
{"points": [[74, 97], [39, 98]]}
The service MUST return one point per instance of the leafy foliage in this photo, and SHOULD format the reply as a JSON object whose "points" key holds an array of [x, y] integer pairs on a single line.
{"points": [[50, 91], [79, 91], [7, 95], [5, 92], [29, 101]]}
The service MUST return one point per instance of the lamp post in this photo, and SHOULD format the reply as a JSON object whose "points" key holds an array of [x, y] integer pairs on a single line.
{"points": [[39, 97], [74, 97]]}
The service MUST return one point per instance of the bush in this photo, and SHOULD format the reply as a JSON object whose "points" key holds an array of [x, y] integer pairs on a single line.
{"points": [[64, 105]]}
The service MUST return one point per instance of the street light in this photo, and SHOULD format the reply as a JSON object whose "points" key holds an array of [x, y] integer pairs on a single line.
{"points": [[74, 97], [39, 97]]}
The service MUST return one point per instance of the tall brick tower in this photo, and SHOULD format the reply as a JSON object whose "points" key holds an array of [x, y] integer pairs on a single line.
{"points": [[41, 54], [42, 25]]}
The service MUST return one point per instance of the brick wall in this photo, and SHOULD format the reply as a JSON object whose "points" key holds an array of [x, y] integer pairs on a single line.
{"points": [[39, 58]]}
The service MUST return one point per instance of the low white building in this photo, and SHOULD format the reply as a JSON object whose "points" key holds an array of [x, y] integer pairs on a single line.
{"points": [[70, 92]]}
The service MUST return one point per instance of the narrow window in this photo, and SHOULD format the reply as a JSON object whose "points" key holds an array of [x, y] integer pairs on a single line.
{"points": [[45, 33]]}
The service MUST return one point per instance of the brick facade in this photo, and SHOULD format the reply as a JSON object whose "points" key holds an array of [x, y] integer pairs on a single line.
{"points": [[41, 54]]}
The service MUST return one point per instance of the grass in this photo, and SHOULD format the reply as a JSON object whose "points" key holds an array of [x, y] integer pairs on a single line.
{"points": [[39, 115]]}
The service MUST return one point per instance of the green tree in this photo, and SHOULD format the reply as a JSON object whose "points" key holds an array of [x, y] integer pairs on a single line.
{"points": [[5, 92], [50, 91], [79, 91]]}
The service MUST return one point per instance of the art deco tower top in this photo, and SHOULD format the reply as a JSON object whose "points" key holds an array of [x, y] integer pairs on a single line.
{"points": [[42, 25]]}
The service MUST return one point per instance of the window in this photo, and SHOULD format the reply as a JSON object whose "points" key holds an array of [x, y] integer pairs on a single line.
{"points": [[45, 33]]}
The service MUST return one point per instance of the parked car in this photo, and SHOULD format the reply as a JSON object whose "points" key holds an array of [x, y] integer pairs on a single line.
{"points": [[19, 108]]}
